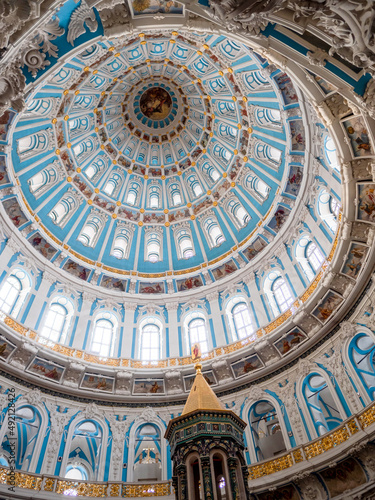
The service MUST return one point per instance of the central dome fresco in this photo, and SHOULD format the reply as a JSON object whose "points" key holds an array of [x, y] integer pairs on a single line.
{"points": [[160, 159]]}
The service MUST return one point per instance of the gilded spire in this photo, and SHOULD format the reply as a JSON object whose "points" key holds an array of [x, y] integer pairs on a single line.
{"points": [[201, 396]]}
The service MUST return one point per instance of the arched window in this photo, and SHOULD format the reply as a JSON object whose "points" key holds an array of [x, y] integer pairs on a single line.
{"points": [[84, 451], [240, 319], [184, 243], [147, 454], [328, 209], [64, 209], [13, 291], [256, 187], [113, 184], [26, 432], [210, 171], [133, 195], [237, 212], [222, 155], [196, 331], [362, 356], [91, 230], [150, 340], [153, 246], [84, 148], [266, 431], [254, 80], [278, 292], [57, 321], [122, 242], [227, 132], [309, 256], [94, 169], [194, 185], [34, 144], [267, 116], [175, 194], [330, 153], [213, 231], [41, 182], [103, 335], [322, 407], [268, 154], [154, 196]]}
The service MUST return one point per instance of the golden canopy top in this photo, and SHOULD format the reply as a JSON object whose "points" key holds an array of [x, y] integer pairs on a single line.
{"points": [[201, 396]]}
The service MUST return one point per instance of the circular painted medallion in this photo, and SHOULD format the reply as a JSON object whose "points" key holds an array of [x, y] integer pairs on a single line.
{"points": [[156, 103]]}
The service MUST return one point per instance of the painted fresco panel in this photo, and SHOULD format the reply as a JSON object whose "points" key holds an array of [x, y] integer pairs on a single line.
{"points": [[97, 382], [247, 365], [289, 341], [46, 369], [356, 130], [148, 386], [224, 270], [14, 212], [189, 283], [366, 202], [42, 246], [6, 348], [356, 257], [330, 303]]}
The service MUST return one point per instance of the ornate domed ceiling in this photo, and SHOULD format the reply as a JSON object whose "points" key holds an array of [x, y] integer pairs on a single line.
{"points": [[157, 158]]}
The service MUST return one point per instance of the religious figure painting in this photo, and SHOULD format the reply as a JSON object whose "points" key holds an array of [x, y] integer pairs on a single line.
{"points": [[289, 341], [6, 348], [148, 386], [189, 283], [357, 132], [143, 7], [295, 177], [47, 369], [224, 270], [5, 121], [113, 283], [247, 365], [14, 212], [279, 218], [208, 375], [297, 132], [97, 382], [42, 246], [254, 248], [4, 178], [324, 85], [347, 475], [153, 288], [156, 103], [330, 303], [366, 202], [355, 259], [76, 269], [286, 87]]}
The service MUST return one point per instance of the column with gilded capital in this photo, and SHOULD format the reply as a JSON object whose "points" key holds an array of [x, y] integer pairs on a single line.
{"points": [[216, 317]]}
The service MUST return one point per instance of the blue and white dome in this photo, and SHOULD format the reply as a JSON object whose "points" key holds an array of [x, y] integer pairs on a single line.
{"points": [[117, 193]]}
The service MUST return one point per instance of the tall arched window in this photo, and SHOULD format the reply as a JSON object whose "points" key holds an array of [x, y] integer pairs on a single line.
{"points": [[64, 209], [122, 242], [328, 209], [213, 231], [240, 318], [153, 246], [322, 407], [330, 153], [34, 144], [146, 454], [210, 171], [91, 230], [269, 154], [278, 292], [104, 334], [309, 256], [196, 331], [256, 187], [41, 182], [175, 194], [133, 195], [267, 116], [154, 196], [362, 356], [13, 291], [150, 340], [57, 321], [184, 243], [94, 169], [194, 185], [113, 184], [237, 212], [266, 431]]}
